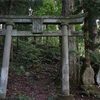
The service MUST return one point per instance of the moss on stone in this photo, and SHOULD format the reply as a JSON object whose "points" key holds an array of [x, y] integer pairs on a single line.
{"points": [[91, 90]]}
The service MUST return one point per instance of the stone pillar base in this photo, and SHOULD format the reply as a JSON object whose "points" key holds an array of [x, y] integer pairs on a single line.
{"points": [[62, 97]]}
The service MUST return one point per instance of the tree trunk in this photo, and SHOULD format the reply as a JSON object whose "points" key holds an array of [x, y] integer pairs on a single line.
{"points": [[87, 73], [10, 7], [93, 40], [67, 7], [93, 32]]}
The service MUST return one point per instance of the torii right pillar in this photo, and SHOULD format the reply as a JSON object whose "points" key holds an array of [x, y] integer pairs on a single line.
{"points": [[65, 64]]}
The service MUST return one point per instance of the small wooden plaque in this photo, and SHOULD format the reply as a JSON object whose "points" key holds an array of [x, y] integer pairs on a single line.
{"points": [[37, 26]]}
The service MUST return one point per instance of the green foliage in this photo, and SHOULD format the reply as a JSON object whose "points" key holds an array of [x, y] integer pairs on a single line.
{"points": [[14, 7], [21, 71], [95, 60], [95, 56], [40, 7], [29, 54], [78, 27], [51, 55], [90, 6], [52, 97], [24, 97], [80, 44], [37, 3], [50, 7]]}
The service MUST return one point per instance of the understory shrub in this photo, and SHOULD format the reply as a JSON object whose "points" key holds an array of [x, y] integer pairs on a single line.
{"points": [[29, 54]]}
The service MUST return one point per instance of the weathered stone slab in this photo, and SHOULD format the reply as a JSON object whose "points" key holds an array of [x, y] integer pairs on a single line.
{"points": [[88, 76], [98, 77]]}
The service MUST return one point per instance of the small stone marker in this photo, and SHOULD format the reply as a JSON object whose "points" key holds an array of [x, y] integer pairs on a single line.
{"points": [[37, 25], [88, 76], [98, 77]]}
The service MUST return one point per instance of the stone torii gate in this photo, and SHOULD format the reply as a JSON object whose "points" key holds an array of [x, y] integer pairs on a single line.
{"points": [[37, 30]]}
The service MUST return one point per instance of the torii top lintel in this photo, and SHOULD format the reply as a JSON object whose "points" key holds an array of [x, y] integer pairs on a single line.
{"points": [[73, 19]]}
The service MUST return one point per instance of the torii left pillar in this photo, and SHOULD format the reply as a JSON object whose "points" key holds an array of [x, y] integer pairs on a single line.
{"points": [[6, 59]]}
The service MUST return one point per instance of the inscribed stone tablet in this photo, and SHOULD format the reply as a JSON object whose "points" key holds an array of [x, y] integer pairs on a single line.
{"points": [[37, 26]]}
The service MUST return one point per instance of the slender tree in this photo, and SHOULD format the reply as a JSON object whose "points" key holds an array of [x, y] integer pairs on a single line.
{"points": [[90, 27]]}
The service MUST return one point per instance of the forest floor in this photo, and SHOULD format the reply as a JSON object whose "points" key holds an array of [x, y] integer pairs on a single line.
{"points": [[38, 83]]}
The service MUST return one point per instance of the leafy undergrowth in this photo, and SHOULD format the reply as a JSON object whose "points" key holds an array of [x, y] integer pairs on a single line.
{"points": [[38, 83]]}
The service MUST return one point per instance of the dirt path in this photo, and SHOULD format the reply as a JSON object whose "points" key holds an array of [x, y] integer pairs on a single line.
{"points": [[37, 85]]}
